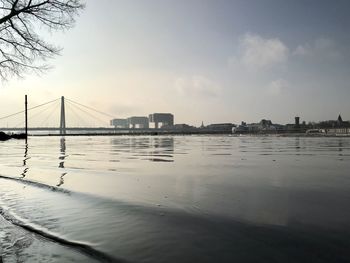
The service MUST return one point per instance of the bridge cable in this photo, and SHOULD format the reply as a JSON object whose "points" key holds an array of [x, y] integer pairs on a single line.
{"points": [[50, 114], [90, 108], [81, 120], [86, 112], [21, 123], [14, 114], [39, 113]]}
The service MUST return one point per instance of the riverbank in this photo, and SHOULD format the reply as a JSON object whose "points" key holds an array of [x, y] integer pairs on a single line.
{"points": [[18, 245], [5, 136]]}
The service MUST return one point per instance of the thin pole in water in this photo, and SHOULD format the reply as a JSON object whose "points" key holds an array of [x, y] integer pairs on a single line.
{"points": [[26, 115]]}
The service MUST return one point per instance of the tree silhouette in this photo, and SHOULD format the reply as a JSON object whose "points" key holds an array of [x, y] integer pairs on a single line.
{"points": [[21, 47]]}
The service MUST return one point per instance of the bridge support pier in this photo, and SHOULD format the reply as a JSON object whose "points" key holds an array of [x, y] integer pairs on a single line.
{"points": [[63, 118]]}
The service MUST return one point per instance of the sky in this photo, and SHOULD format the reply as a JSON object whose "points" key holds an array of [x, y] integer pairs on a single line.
{"points": [[202, 60]]}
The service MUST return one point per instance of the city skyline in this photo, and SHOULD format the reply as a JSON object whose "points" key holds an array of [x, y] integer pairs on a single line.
{"points": [[222, 61]]}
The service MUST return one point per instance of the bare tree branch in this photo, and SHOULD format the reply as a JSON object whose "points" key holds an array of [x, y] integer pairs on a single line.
{"points": [[21, 47]]}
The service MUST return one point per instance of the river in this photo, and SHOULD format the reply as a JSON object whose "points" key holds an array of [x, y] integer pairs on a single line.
{"points": [[175, 199]]}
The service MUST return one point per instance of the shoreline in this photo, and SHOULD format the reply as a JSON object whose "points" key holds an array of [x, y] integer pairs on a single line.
{"points": [[194, 133]]}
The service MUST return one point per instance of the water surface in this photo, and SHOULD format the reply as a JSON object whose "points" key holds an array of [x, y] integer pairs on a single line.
{"points": [[175, 199]]}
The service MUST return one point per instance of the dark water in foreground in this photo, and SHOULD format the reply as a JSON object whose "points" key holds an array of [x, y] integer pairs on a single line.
{"points": [[175, 199]]}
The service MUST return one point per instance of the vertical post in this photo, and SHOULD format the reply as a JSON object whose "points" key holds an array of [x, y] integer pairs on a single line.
{"points": [[26, 114], [63, 118]]}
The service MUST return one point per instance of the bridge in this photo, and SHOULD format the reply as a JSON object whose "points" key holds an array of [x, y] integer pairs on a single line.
{"points": [[73, 118]]}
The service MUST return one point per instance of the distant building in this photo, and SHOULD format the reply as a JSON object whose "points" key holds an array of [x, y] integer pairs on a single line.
{"points": [[338, 131], [264, 126], [265, 123], [339, 123], [120, 123], [138, 122], [337, 127], [166, 119], [132, 122], [241, 129], [220, 127], [296, 127], [340, 119]]}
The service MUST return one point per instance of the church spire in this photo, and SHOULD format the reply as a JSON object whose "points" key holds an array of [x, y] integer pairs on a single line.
{"points": [[340, 120]]}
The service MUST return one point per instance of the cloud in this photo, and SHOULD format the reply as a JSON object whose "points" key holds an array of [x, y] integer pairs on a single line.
{"points": [[197, 86], [277, 87], [257, 52], [302, 50], [320, 49]]}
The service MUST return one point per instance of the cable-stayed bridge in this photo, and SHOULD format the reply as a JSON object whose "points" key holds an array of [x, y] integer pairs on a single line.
{"points": [[63, 116]]}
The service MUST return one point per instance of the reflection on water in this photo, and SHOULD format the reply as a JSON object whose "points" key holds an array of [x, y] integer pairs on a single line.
{"points": [[155, 149], [175, 199], [340, 148], [61, 182], [62, 157], [25, 156]]}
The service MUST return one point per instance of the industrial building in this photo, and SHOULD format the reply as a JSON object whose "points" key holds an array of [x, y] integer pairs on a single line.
{"points": [[120, 123], [142, 122], [138, 122], [165, 119], [131, 122]]}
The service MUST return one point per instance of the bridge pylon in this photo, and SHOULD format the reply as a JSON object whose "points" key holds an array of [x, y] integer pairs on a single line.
{"points": [[63, 118]]}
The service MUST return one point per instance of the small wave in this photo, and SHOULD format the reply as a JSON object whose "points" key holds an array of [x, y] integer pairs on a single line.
{"points": [[159, 160], [37, 184], [82, 247]]}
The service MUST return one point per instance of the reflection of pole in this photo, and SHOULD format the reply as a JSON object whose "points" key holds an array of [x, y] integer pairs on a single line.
{"points": [[26, 114], [25, 170], [63, 152], [63, 118], [62, 157]]}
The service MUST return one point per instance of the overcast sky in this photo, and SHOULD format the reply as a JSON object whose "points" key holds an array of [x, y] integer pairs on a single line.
{"points": [[202, 60]]}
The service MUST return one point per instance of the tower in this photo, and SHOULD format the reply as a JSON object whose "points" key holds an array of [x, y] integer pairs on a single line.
{"points": [[63, 118]]}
